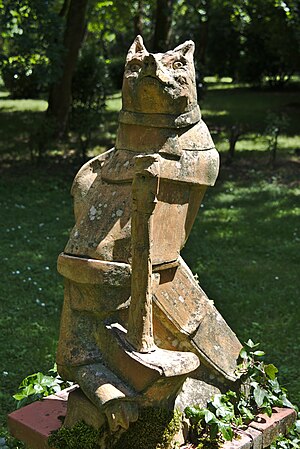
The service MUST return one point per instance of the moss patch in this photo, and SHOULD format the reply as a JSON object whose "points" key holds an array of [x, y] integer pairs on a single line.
{"points": [[77, 437], [154, 429]]}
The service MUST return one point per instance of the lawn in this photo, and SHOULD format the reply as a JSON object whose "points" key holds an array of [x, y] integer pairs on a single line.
{"points": [[244, 245]]}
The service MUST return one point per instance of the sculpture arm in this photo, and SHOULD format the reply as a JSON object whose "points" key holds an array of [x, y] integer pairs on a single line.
{"points": [[144, 197], [85, 178]]}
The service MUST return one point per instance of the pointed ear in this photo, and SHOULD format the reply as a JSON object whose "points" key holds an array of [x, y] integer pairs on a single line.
{"points": [[138, 45], [186, 49]]}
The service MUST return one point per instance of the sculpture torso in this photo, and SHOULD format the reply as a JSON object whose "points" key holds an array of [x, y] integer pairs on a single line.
{"points": [[160, 116]]}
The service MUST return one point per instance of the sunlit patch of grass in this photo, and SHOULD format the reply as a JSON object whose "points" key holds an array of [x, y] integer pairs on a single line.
{"points": [[22, 105], [245, 249], [208, 113], [114, 103]]}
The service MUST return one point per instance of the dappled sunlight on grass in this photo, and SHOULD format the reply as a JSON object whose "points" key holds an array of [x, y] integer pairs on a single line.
{"points": [[114, 103], [245, 249], [207, 113], [22, 105]]}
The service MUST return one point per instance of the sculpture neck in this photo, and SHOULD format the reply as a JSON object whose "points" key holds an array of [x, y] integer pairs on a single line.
{"points": [[143, 132], [161, 120]]}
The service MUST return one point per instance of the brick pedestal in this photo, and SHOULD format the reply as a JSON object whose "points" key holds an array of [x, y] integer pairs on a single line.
{"points": [[34, 423]]}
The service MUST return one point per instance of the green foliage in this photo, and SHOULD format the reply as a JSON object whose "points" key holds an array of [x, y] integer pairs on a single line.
{"points": [[116, 71], [260, 387], [25, 76], [38, 385], [227, 35], [31, 51], [90, 87], [9, 442], [259, 391], [212, 424], [263, 23]]}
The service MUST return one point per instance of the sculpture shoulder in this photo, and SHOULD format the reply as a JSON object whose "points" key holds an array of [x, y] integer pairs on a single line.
{"points": [[86, 176], [88, 173]]}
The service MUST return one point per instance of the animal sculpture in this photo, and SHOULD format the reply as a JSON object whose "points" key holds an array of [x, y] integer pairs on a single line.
{"points": [[137, 329]]}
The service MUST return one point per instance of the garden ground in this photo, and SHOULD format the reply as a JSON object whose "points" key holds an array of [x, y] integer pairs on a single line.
{"points": [[244, 246]]}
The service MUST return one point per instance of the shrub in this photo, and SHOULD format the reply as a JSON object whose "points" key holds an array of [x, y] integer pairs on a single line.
{"points": [[90, 87], [25, 77]]}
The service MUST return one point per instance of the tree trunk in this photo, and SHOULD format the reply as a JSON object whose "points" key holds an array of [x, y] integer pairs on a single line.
{"points": [[163, 22], [60, 93], [138, 19]]}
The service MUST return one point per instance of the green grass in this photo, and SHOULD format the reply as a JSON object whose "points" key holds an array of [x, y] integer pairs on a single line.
{"points": [[245, 248], [35, 221], [244, 245], [19, 119], [224, 107]]}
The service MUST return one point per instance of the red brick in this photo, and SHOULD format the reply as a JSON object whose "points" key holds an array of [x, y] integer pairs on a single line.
{"points": [[34, 423], [277, 424]]}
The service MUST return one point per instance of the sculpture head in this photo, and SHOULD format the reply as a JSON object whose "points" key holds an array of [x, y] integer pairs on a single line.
{"points": [[162, 83]]}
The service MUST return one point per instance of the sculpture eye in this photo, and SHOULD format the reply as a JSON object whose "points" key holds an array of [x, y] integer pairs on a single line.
{"points": [[177, 65]]}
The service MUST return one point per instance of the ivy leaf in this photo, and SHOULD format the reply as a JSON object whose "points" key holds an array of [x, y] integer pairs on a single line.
{"points": [[286, 402], [267, 410], [297, 426], [259, 395], [243, 354], [226, 431], [214, 430], [275, 386], [271, 371], [19, 396], [209, 417], [194, 412], [252, 345]]}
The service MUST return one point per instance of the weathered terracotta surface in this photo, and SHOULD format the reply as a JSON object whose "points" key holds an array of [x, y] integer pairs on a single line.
{"points": [[136, 327]]}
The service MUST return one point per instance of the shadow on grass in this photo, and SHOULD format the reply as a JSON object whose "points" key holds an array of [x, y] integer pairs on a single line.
{"points": [[250, 107], [15, 131], [19, 130]]}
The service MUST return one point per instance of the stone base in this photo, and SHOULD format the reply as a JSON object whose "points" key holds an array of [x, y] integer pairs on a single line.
{"points": [[34, 423]]}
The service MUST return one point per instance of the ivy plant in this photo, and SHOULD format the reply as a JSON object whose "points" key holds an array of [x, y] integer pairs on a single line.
{"points": [[259, 391], [39, 385]]}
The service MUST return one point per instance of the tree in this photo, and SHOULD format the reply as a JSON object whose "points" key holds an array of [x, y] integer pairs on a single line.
{"points": [[60, 93], [163, 22], [29, 45], [269, 43]]}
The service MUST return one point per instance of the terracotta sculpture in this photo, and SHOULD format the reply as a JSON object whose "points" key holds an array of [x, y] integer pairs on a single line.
{"points": [[136, 328]]}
